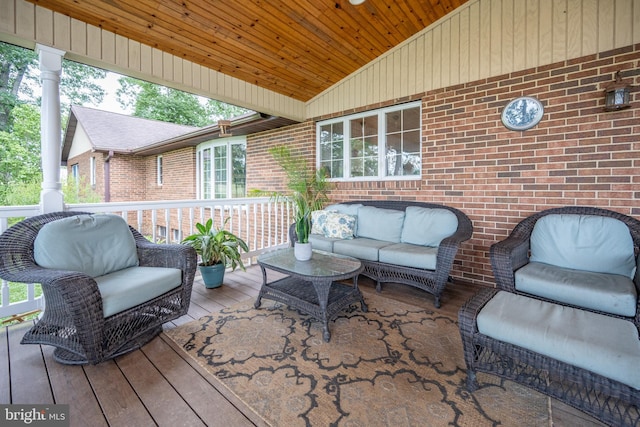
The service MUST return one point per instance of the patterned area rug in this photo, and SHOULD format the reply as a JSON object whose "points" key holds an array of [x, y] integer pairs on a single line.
{"points": [[396, 365]]}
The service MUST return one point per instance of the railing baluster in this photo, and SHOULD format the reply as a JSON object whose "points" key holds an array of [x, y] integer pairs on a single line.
{"points": [[261, 222]]}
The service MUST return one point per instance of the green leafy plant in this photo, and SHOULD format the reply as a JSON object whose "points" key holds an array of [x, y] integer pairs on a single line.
{"points": [[217, 246], [307, 188]]}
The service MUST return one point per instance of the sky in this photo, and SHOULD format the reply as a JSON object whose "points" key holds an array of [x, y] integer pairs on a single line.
{"points": [[109, 103]]}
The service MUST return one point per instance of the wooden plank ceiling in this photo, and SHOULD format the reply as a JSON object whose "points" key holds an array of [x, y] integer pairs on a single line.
{"points": [[294, 47]]}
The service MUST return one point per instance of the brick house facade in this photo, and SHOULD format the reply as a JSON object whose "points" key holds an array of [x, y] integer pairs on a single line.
{"points": [[577, 155]]}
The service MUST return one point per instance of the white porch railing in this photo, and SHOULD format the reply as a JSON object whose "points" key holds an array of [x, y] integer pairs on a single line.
{"points": [[261, 222]]}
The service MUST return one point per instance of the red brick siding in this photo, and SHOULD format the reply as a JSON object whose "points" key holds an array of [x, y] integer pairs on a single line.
{"points": [[262, 171], [179, 175], [577, 155]]}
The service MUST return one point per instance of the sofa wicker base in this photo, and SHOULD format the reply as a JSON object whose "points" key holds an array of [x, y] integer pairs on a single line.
{"points": [[425, 280], [609, 401]]}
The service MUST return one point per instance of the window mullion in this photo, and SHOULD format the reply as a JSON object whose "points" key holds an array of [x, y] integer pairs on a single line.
{"points": [[229, 171], [346, 152], [382, 144]]}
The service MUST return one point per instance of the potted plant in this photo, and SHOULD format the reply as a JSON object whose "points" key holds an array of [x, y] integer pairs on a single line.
{"points": [[307, 190], [218, 249]]}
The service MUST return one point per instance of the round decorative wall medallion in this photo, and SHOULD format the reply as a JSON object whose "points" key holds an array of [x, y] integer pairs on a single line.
{"points": [[522, 113]]}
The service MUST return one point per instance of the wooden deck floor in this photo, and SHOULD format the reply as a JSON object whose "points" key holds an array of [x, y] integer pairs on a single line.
{"points": [[156, 385]]}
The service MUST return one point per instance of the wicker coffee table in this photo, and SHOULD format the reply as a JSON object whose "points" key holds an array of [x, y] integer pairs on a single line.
{"points": [[310, 286]]}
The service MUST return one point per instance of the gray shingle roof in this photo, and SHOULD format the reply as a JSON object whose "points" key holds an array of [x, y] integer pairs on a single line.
{"points": [[122, 133]]}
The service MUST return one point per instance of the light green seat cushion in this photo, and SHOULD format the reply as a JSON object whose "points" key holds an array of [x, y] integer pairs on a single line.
{"points": [[428, 226], [408, 255], [318, 241], [362, 248], [584, 242], [132, 286], [602, 344], [93, 244], [380, 224], [610, 293]]}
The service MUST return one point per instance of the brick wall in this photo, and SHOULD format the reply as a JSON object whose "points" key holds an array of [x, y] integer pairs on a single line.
{"points": [[577, 155], [84, 165], [179, 181]]}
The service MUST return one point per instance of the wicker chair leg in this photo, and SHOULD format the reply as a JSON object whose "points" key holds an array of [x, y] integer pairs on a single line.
{"points": [[436, 302], [66, 357], [472, 381]]}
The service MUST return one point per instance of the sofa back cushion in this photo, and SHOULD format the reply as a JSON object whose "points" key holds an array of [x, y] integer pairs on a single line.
{"points": [[428, 226], [92, 244], [380, 224], [584, 242], [346, 208]]}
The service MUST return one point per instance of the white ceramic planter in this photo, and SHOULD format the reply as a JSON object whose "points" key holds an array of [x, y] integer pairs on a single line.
{"points": [[302, 251]]}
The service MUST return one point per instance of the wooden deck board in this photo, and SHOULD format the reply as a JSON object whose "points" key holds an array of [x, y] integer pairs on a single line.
{"points": [[158, 385], [71, 386], [158, 396], [194, 388], [29, 379], [5, 385], [118, 401]]}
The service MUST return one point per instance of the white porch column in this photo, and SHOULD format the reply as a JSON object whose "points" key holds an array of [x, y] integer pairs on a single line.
{"points": [[51, 198]]}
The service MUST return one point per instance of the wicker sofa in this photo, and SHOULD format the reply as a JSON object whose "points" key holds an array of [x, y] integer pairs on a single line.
{"points": [[564, 318], [107, 289], [412, 243]]}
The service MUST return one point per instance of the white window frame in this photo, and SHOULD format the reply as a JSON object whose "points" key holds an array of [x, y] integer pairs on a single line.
{"points": [[381, 143], [159, 170], [228, 142], [92, 170], [75, 172]]}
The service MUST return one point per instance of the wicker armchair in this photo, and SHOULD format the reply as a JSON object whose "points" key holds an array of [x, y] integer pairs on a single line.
{"points": [[73, 319], [610, 401], [511, 254]]}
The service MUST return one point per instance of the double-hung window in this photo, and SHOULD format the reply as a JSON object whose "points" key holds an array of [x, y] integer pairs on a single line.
{"points": [[378, 144], [222, 168]]}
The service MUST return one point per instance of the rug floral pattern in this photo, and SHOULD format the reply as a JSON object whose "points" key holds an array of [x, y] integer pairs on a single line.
{"points": [[396, 365]]}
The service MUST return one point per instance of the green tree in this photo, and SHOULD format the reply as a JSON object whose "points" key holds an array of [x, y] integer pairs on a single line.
{"points": [[19, 73], [151, 101], [20, 149], [20, 115], [79, 85], [16, 67]]}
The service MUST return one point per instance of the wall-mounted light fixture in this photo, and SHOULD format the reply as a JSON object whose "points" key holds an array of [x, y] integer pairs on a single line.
{"points": [[356, 2], [616, 95], [225, 128]]}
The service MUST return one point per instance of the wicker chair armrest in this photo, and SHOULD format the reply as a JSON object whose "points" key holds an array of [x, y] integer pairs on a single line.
{"points": [[447, 251], [506, 257], [74, 300], [152, 254], [469, 311], [636, 281]]}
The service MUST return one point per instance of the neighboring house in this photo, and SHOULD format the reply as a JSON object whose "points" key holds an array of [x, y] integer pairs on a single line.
{"points": [[127, 158]]}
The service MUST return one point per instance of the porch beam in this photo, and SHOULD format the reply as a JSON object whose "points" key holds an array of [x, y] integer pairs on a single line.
{"points": [[51, 198]]}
